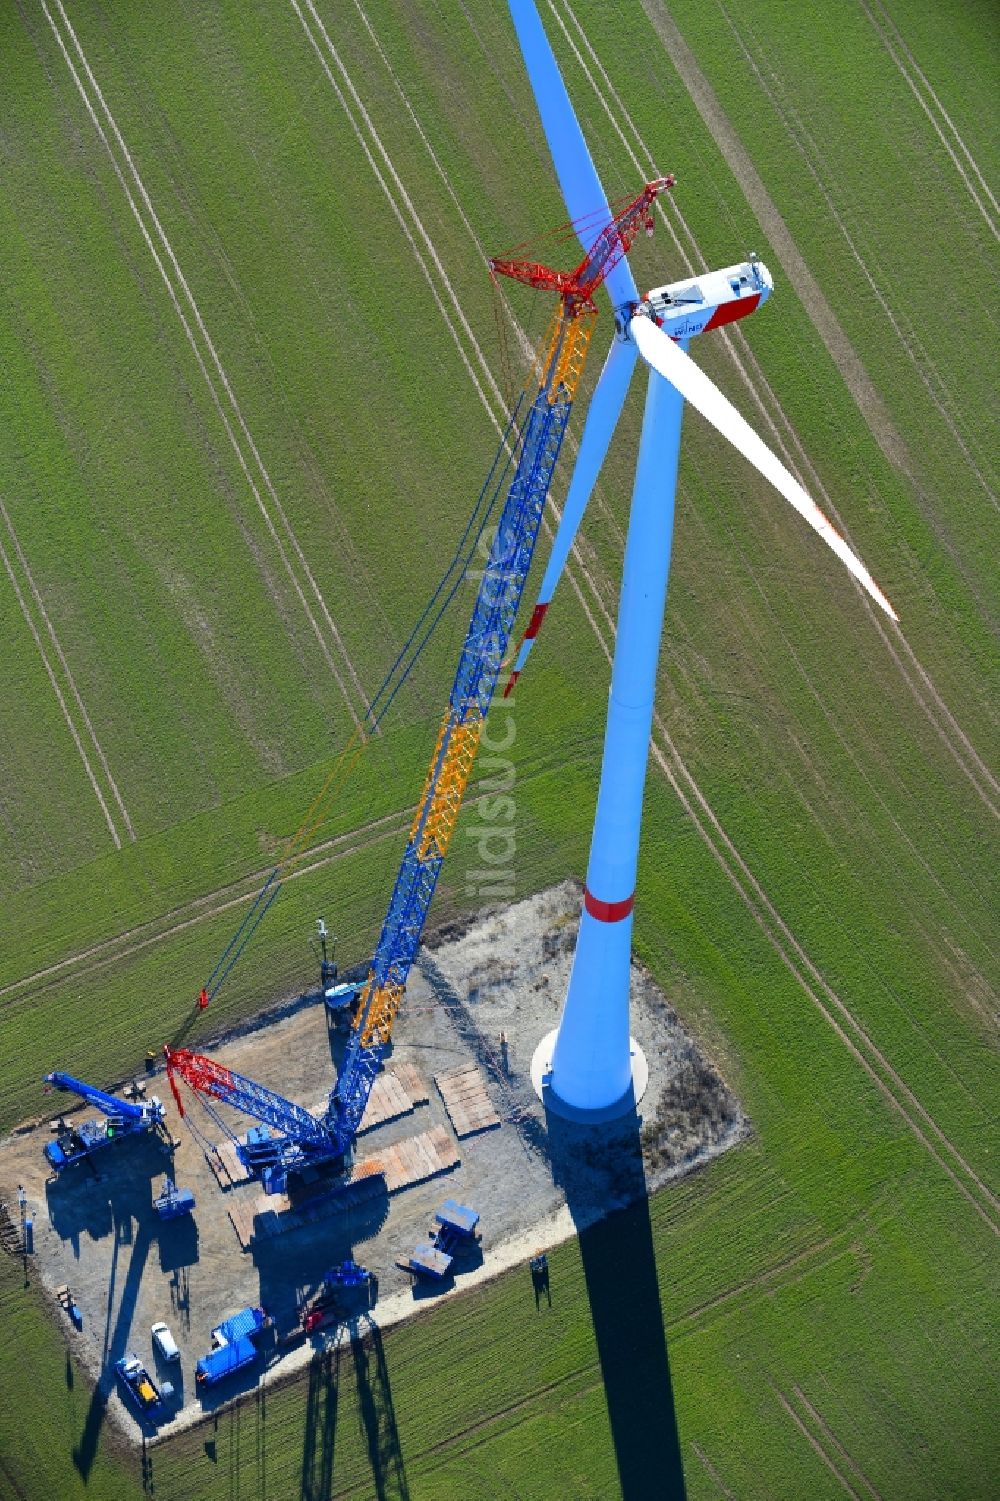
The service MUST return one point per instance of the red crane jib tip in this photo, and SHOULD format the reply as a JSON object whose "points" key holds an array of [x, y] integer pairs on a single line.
{"points": [[610, 244]]}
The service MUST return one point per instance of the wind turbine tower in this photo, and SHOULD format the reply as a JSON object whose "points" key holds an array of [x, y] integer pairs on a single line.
{"points": [[590, 1068]]}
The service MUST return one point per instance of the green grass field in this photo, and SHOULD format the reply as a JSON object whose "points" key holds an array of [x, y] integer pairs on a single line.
{"points": [[216, 573]]}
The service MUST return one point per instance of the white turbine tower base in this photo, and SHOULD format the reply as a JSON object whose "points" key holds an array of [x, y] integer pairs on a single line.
{"points": [[541, 1080]]}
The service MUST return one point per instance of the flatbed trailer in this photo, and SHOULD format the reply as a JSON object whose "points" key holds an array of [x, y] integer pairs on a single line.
{"points": [[145, 1396], [456, 1227]]}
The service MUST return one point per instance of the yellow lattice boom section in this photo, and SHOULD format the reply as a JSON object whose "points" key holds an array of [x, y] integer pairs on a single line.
{"points": [[558, 370], [450, 769], [378, 1016], [573, 355]]}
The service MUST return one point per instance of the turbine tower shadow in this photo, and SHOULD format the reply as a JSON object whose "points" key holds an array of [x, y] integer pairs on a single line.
{"points": [[619, 1265]]}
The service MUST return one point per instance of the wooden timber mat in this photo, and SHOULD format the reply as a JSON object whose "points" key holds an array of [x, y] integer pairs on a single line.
{"points": [[469, 1107]]}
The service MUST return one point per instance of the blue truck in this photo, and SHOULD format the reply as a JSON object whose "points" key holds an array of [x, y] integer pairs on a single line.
{"points": [[233, 1346]]}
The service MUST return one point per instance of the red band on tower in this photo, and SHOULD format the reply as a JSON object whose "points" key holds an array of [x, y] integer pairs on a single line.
{"points": [[607, 911], [535, 623]]}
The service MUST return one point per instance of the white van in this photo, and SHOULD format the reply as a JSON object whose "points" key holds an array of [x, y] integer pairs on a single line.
{"points": [[164, 1343]]}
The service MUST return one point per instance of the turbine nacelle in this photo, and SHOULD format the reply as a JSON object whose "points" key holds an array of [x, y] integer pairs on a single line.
{"points": [[699, 304], [696, 306]]}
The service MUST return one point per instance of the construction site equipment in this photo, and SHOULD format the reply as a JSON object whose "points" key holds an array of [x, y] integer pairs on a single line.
{"points": [[164, 1343], [348, 1274], [303, 1138], [173, 1202], [233, 1346], [65, 1300], [73, 1143], [146, 1397], [456, 1230], [334, 1296]]}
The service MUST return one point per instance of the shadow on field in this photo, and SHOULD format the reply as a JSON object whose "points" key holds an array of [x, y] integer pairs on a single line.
{"points": [[118, 1202], [378, 1415], [619, 1264], [320, 1426]]}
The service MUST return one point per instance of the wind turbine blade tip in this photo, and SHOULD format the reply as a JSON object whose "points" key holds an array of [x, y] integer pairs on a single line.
{"points": [[671, 361]]}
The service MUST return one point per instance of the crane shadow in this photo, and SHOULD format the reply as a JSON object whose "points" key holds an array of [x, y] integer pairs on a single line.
{"points": [[320, 1426], [378, 1415], [595, 1166]]}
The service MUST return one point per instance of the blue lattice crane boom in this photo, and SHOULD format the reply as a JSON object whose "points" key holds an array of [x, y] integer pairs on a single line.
{"points": [[146, 1112]]}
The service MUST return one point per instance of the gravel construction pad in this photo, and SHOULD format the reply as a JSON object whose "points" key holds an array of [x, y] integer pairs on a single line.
{"points": [[532, 1182]]}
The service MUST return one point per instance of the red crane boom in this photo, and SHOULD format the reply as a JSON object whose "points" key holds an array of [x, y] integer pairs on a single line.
{"points": [[577, 287]]}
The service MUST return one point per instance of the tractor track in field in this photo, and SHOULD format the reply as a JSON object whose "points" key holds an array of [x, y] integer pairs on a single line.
{"points": [[237, 893], [734, 340], [815, 987], [835, 1443], [318, 47], [907, 337], [944, 126], [60, 696], [336, 641], [761, 1279], [815, 1445], [779, 935], [713, 1473], [547, 1389], [478, 1429], [57, 646], [751, 632], [201, 909]]}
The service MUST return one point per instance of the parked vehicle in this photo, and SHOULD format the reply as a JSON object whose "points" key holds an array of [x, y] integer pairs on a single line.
{"points": [[145, 1396], [164, 1343], [232, 1346]]}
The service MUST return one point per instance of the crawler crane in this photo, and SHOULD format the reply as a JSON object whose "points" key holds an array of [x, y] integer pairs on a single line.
{"points": [[288, 1137]]}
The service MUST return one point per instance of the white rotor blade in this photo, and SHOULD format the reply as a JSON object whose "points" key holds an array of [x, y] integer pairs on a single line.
{"points": [[602, 419], [660, 351], [581, 186]]}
